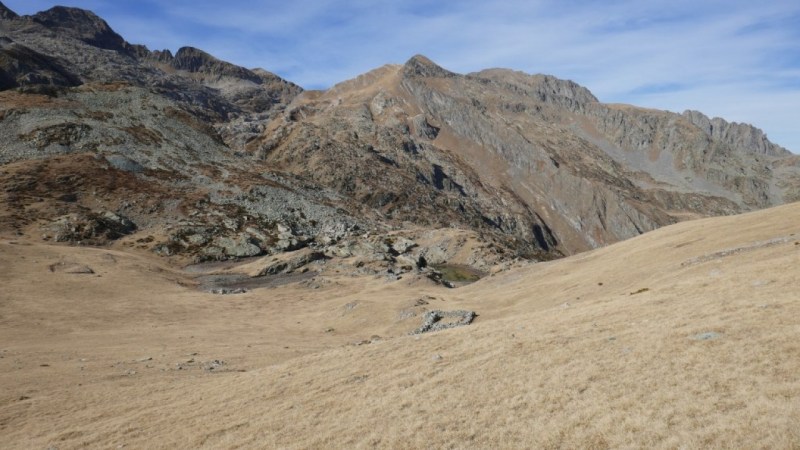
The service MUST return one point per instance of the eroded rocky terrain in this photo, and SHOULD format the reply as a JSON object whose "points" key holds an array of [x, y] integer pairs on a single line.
{"points": [[197, 159]]}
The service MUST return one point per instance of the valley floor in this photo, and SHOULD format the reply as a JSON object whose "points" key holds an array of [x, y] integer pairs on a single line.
{"points": [[686, 337]]}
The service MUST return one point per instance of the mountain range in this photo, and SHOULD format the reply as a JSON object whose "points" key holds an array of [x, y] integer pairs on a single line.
{"points": [[199, 159]]}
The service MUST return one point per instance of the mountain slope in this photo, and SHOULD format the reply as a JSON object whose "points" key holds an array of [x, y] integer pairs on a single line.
{"points": [[224, 162], [683, 337], [532, 157]]}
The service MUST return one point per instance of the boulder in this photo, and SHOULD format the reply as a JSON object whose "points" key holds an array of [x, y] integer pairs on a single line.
{"points": [[441, 320], [291, 262], [400, 245], [93, 228], [240, 246], [71, 268]]}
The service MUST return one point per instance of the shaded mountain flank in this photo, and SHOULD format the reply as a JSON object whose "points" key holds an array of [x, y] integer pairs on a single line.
{"points": [[213, 161]]}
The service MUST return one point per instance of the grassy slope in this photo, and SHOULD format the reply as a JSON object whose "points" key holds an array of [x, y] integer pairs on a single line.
{"points": [[556, 359]]}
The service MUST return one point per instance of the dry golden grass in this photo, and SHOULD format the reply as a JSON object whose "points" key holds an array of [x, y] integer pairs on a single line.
{"points": [[599, 350]]}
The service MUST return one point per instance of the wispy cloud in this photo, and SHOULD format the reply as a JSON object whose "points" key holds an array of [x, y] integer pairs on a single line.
{"points": [[731, 58]]}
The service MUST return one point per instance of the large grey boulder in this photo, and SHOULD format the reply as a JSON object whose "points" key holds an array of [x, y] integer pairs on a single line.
{"points": [[240, 246], [441, 320], [92, 227]]}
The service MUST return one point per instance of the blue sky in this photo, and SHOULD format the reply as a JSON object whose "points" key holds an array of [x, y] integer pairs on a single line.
{"points": [[739, 60]]}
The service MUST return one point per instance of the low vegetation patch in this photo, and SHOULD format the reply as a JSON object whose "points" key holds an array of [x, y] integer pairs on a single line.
{"points": [[459, 273]]}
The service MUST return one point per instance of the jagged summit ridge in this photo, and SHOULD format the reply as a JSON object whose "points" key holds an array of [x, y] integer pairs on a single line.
{"points": [[192, 59], [740, 136], [545, 88], [540, 82], [76, 41]]}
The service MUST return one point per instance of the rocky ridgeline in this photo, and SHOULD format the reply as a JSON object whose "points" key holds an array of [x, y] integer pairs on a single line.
{"points": [[201, 159], [741, 137]]}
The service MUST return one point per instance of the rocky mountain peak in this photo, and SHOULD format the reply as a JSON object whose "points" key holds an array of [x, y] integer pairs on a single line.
{"points": [[742, 137], [164, 56], [421, 66], [195, 60], [82, 25], [7, 14], [567, 88]]}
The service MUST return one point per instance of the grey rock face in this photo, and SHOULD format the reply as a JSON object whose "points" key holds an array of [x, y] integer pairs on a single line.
{"points": [[195, 60], [421, 66], [422, 129], [21, 66], [291, 264], [252, 90], [743, 138], [544, 88], [401, 245], [239, 247], [93, 227], [7, 14], [82, 25]]}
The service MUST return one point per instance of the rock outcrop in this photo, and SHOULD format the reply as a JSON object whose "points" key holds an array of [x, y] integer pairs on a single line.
{"points": [[22, 67], [7, 14], [741, 137], [82, 25], [442, 320]]}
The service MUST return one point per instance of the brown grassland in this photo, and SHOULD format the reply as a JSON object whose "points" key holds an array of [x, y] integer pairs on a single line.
{"points": [[686, 337]]}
